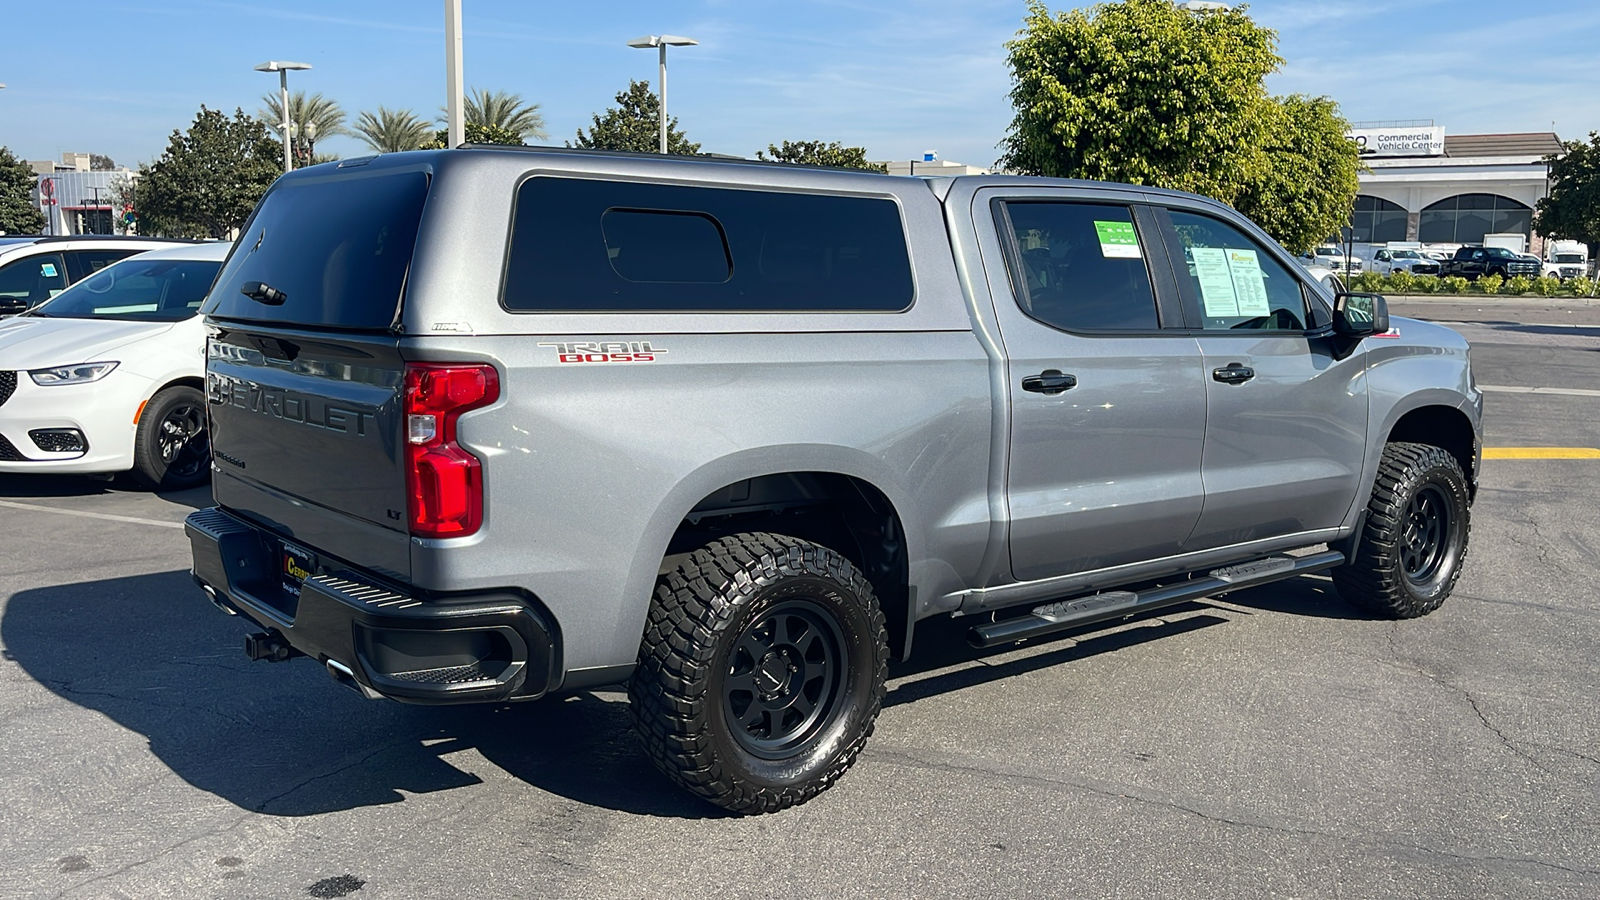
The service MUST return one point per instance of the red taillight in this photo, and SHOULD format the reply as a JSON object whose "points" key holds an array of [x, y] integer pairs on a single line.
{"points": [[445, 482]]}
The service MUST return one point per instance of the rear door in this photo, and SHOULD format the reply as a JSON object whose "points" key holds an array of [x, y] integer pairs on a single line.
{"points": [[1107, 410], [304, 374], [1286, 419]]}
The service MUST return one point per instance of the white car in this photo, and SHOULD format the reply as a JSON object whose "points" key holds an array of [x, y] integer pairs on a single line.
{"points": [[108, 375], [1334, 258]]}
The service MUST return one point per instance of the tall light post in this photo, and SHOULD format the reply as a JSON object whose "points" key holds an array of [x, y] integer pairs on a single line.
{"points": [[454, 115], [663, 41], [282, 68]]}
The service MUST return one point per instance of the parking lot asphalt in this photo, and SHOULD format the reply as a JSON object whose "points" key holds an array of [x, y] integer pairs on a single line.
{"points": [[1273, 743]]}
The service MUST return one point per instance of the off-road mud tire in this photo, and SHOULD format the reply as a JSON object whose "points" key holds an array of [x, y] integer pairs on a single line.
{"points": [[706, 612]]}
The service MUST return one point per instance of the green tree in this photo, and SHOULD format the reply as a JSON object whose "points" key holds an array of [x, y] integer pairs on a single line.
{"points": [[101, 163], [817, 153], [209, 178], [18, 213], [478, 134], [304, 113], [1308, 189], [1572, 209], [1143, 92], [1140, 92], [497, 111], [634, 124], [393, 130]]}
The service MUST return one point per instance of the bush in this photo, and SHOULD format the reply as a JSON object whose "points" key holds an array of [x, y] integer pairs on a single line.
{"points": [[1453, 284], [1582, 287], [1518, 285], [1425, 284], [1491, 283], [1547, 285], [1399, 282], [1366, 281]]}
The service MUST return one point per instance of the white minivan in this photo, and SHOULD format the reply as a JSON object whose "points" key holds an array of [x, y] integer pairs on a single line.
{"points": [[108, 376]]}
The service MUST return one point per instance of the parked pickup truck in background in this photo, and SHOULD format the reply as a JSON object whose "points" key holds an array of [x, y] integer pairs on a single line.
{"points": [[1473, 263], [492, 424]]}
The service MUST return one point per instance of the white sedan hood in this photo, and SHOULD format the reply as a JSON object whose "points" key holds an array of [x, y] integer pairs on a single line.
{"points": [[29, 342]]}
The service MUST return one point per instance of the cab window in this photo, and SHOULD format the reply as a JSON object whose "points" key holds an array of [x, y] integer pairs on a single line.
{"points": [[30, 281], [1229, 281], [1080, 266]]}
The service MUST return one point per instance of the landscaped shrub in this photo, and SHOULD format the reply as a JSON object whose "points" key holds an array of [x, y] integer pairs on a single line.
{"points": [[1491, 283], [1366, 281], [1517, 285], [1582, 287], [1425, 284], [1547, 285], [1399, 282], [1453, 284]]}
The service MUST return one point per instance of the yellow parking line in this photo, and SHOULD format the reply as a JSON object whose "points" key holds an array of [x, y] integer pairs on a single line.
{"points": [[1541, 453]]}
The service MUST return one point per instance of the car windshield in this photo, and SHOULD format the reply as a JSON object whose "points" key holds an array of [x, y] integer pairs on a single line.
{"points": [[154, 290], [1569, 257], [1406, 254], [1327, 251]]}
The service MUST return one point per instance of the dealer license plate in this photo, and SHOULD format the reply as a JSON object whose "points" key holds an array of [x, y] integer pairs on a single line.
{"points": [[298, 565]]}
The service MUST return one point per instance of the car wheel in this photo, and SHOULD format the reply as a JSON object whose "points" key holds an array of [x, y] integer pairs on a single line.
{"points": [[171, 451], [761, 671], [1415, 538]]}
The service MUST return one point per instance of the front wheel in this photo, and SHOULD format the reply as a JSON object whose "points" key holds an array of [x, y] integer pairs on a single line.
{"points": [[761, 671], [171, 451], [1416, 534]]}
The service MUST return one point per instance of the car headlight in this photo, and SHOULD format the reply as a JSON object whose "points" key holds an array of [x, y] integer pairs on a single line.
{"points": [[79, 374]]}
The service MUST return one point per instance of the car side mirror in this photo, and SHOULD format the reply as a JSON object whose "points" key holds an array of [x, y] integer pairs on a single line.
{"points": [[1360, 315]]}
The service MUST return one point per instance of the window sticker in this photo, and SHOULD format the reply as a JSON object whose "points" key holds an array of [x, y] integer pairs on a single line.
{"points": [[1249, 283], [48, 270], [1117, 240], [1216, 282]]}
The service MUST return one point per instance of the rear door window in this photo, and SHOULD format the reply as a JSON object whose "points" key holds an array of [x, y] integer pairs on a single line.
{"points": [[338, 248], [83, 263], [1081, 266], [580, 245]]}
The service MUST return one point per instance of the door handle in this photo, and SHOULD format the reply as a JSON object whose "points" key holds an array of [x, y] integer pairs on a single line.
{"points": [[1050, 381], [1233, 373]]}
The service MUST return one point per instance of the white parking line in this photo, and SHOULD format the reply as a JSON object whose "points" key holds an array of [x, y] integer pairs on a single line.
{"points": [[134, 520], [1566, 392]]}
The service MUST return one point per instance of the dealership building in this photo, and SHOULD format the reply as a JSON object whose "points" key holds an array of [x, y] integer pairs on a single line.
{"points": [[1427, 186]]}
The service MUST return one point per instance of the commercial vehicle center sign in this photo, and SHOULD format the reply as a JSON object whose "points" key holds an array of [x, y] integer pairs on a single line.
{"points": [[1420, 141]]}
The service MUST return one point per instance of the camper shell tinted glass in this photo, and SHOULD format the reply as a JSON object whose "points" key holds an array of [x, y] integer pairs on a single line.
{"points": [[338, 248], [589, 245]]}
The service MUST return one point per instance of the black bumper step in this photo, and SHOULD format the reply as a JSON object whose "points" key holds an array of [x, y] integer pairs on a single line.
{"points": [[1060, 616]]}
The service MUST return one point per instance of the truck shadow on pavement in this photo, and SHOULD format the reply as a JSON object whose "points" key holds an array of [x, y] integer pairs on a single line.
{"points": [[283, 739], [151, 654], [24, 486]]}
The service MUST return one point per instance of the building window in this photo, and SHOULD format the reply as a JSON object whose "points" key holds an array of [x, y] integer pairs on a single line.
{"points": [[1466, 218], [1377, 221]]}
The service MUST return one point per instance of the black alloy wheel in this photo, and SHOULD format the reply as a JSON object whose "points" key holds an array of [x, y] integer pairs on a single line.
{"points": [[784, 678], [1415, 538], [760, 672], [182, 440], [171, 448]]}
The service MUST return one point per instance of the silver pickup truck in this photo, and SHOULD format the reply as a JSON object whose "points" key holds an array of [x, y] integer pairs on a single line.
{"points": [[490, 424]]}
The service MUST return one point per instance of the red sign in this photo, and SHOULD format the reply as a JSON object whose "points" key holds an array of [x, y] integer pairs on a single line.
{"points": [[47, 192]]}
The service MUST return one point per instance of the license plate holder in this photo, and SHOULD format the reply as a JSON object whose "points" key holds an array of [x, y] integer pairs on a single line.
{"points": [[298, 564]]}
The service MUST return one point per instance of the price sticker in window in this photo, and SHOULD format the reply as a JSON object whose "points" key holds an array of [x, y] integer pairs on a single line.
{"points": [[48, 270], [1118, 240]]}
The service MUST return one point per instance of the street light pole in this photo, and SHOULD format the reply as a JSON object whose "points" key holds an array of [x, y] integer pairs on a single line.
{"points": [[455, 122], [282, 68], [662, 41]]}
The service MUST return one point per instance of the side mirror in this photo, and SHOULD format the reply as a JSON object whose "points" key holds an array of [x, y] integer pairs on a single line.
{"points": [[1360, 315]]}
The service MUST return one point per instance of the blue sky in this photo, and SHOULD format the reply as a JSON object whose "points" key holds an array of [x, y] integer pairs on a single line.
{"points": [[118, 77]]}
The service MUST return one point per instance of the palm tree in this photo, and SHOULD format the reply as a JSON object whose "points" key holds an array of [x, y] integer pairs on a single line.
{"points": [[505, 110], [312, 117], [393, 130]]}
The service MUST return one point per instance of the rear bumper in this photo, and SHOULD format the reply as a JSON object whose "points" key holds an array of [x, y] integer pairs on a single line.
{"points": [[483, 647]]}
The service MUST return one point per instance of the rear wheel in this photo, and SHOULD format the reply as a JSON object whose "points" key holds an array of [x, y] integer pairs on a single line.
{"points": [[171, 450], [761, 671], [1416, 534]]}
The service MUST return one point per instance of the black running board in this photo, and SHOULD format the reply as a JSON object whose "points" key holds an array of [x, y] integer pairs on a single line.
{"points": [[1065, 614]]}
